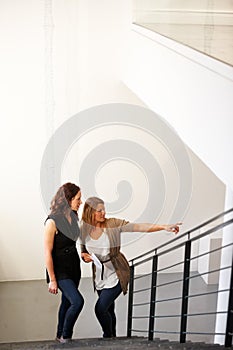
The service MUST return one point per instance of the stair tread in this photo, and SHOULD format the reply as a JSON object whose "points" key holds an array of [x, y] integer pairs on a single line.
{"points": [[118, 343]]}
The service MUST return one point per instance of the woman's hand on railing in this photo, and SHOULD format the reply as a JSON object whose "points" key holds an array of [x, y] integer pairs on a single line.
{"points": [[173, 228]]}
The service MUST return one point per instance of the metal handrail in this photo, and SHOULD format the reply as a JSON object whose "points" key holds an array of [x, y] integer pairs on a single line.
{"points": [[208, 232], [207, 293], [211, 251], [155, 254], [198, 227]]}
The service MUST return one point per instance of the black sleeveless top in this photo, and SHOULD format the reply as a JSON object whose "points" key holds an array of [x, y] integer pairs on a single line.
{"points": [[66, 260]]}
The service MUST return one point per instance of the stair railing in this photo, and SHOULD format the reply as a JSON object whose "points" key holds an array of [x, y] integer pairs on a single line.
{"points": [[184, 242]]}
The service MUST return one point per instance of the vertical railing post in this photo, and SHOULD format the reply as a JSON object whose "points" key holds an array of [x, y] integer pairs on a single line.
{"points": [[184, 308], [229, 325], [130, 301], [152, 297]]}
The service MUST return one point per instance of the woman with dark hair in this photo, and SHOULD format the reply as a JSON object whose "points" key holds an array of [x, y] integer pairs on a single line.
{"points": [[101, 243], [62, 259]]}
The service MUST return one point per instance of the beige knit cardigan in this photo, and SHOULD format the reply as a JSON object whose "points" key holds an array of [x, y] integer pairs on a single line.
{"points": [[114, 227]]}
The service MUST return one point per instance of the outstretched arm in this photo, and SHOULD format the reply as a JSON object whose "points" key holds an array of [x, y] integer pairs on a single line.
{"points": [[146, 227]]}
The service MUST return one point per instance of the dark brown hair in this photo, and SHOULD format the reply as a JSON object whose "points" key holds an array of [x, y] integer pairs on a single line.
{"points": [[61, 201]]}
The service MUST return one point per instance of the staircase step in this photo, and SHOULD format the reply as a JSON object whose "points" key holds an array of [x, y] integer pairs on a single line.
{"points": [[118, 343]]}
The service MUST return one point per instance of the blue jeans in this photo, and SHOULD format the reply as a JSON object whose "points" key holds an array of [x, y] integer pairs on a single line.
{"points": [[71, 305], [105, 309]]}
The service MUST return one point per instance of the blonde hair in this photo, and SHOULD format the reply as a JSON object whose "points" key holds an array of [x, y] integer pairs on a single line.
{"points": [[89, 209]]}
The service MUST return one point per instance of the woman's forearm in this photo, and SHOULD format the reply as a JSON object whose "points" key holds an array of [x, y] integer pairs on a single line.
{"points": [[146, 227], [49, 266]]}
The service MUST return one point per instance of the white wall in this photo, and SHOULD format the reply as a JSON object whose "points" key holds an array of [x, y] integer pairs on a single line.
{"points": [[22, 137], [199, 90], [57, 59]]}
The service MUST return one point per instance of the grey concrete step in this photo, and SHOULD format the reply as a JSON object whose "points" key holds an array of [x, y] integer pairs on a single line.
{"points": [[118, 343]]}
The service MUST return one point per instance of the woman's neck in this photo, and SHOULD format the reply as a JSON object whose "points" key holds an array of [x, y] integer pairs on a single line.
{"points": [[96, 232], [67, 215]]}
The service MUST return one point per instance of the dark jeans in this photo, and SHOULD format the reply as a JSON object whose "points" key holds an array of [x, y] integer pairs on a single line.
{"points": [[71, 305], [104, 309]]}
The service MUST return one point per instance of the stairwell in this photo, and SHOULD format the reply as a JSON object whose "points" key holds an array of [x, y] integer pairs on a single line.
{"points": [[110, 344]]}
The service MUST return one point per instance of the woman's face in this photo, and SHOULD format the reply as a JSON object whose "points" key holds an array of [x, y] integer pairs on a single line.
{"points": [[76, 201], [99, 215]]}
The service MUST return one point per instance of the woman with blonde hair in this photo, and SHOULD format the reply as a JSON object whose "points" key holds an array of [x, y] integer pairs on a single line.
{"points": [[101, 244]]}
